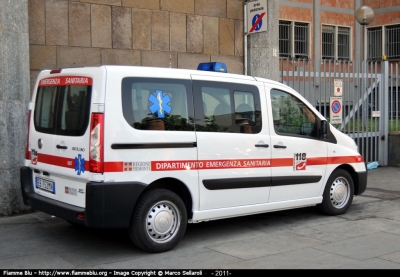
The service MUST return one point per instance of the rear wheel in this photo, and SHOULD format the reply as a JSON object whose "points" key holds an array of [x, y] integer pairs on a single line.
{"points": [[159, 221], [338, 193]]}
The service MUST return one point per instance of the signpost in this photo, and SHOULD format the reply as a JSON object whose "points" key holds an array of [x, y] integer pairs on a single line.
{"points": [[256, 16], [336, 116]]}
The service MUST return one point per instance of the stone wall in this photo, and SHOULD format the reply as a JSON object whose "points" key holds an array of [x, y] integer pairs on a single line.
{"points": [[164, 33], [14, 94]]}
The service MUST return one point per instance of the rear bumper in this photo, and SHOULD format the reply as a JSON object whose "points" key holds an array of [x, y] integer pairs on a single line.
{"points": [[108, 205]]}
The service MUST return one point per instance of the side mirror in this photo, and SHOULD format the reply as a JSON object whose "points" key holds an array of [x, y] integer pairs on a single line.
{"points": [[324, 129]]}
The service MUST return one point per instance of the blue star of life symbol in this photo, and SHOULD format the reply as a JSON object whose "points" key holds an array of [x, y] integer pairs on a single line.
{"points": [[160, 103], [79, 164]]}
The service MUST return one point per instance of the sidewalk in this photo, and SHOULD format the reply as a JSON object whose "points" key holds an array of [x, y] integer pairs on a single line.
{"points": [[366, 237]]}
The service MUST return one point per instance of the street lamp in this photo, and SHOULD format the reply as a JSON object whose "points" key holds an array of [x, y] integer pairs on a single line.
{"points": [[364, 15]]}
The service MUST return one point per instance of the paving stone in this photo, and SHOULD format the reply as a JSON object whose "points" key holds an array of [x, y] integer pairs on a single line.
{"points": [[364, 247], [307, 258], [394, 257], [88, 257], [315, 234], [349, 229], [37, 261], [268, 244], [373, 263], [195, 258], [101, 26], [207, 233]]}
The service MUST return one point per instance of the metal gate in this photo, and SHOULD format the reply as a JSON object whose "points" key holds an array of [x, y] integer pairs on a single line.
{"points": [[368, 97]]}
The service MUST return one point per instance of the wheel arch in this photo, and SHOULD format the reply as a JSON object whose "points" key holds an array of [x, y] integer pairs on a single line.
{"points": [[177, 187], [353, 174]]}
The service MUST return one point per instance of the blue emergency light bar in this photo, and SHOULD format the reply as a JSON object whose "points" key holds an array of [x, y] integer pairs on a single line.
{"points": [[214, 66]]}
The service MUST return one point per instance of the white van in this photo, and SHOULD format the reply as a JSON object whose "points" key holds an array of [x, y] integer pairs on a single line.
{"points": [[152, 149]]}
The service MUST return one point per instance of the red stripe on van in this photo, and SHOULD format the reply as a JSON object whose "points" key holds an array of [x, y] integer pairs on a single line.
{"points": [[113, 166], [281, 162], [59, 161], [205, 164]]}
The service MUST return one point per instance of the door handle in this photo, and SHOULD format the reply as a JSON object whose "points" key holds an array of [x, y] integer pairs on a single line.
{"points": [[262, 145], [61, 147], [279, 146]]}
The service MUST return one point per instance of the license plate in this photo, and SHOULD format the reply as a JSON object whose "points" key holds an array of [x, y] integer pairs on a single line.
{"points": [[46, 185]]}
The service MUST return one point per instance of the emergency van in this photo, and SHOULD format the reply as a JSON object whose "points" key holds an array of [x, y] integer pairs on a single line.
{"points": [[152, 149]]}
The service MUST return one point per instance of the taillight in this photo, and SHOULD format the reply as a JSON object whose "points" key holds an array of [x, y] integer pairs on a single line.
{"points": [[27, 152], [96, 143]]}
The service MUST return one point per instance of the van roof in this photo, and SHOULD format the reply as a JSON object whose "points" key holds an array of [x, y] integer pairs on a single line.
{"points": [[161, 70]]}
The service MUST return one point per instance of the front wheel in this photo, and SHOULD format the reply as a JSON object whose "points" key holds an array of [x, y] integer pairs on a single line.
{"points": [[159, 221], [338, 193]]}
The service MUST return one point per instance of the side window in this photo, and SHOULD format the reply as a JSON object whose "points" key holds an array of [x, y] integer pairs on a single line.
{"points": [[227, 107], [45, 109], [291, 116], [157, 104], [244, 111]]}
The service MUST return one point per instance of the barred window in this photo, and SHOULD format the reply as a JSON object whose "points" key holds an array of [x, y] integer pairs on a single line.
{"points": [[335, 43], [374, 39], [343, 43], [293, 39], [300, 39], [284, 38], [392, 45], [328, 42]]}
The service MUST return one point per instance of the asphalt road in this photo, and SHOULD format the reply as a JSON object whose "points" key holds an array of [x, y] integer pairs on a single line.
{"points": [[366, 237]]}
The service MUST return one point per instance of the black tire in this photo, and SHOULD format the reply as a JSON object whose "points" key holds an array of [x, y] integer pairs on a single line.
{"points": [[338, 193], [159, 221]]}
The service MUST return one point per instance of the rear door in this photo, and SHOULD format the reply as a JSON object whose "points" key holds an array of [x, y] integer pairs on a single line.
{"points": [[233, 144], [60, 122]]}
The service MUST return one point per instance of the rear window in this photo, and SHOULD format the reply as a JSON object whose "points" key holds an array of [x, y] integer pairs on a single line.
{"points": [[62, 106], [158, 104]]}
